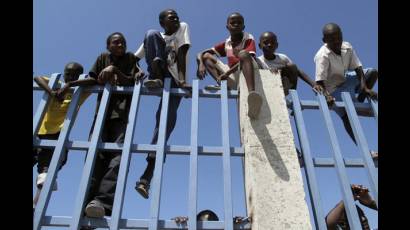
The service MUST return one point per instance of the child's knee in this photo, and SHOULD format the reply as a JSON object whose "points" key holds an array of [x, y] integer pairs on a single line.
{"points": [[207, 56], [152, 33], [244, 55], [209, 59]]}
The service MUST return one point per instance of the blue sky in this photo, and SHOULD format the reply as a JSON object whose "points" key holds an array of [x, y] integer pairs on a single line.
{"points": [[73, 30]]}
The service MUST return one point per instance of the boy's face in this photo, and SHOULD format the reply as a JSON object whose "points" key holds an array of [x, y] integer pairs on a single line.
{"points": [[71, 73], [235, 24], [268, 43], [334, 40], [171, 22], [117, 45]]}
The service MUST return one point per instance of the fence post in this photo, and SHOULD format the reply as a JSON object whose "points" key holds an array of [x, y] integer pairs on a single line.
{"points": [[274, 185]]}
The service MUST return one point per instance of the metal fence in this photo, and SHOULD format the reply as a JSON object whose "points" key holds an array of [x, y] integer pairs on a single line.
{"points": [[338, 161], [193, 150], [95, 144]]}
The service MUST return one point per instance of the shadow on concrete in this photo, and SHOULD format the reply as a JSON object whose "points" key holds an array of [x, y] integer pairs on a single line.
{"points": [[260, 128]]}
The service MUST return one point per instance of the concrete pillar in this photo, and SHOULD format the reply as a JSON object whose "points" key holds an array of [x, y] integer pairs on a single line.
{"points": [[274, 186]]}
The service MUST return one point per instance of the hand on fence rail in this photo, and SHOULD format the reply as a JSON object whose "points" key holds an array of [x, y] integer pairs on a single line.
{"points": [[361, 193]]}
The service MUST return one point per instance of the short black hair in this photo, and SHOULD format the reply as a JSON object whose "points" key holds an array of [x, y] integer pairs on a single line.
{"points": [[269, 32], [234, 14], [330, 27], [163, 13], [112, 35], [212, 215], [75, 65]]}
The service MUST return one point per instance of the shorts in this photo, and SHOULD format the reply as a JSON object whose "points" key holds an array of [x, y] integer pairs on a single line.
{"points": [[352, 86], [233, 79]]}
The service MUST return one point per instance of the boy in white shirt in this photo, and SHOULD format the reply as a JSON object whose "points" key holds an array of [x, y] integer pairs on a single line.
{"points": [[166, 56], [333, 61]]}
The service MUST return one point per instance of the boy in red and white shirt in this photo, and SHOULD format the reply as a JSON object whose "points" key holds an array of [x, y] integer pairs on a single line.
{"points": [[239, 48]]}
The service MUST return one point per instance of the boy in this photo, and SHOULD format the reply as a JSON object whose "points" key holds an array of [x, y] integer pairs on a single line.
{"points": [[337, 218], [333, 61], [240, 50], [116, 67], [54, 119], [277, 62], [166, 55]]}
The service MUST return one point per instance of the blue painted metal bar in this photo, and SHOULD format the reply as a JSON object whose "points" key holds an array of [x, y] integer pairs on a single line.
{"points": [[226, 158], [193, 165], [64, 221], [329, 162], [309, 167], [360, 107], [57, 158], [362, 143], [42, 107], [90, 160], [375, 107], [184, 150], [157, 92], [125, 159], [143, 148], [159, 159], [347, 195]]}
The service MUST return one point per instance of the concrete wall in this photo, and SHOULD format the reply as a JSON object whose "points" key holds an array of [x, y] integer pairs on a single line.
{"points": [[273, 180]]}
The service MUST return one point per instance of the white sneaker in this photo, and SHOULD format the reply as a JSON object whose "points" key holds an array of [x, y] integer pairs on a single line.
{"points": [[41, 178]]}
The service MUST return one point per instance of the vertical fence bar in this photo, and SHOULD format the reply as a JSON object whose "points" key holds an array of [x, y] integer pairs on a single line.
{"points": [[309, 167], [42, 107], [193, 166], [362, 143], [375, 107], [57, 156], [350, 208], [90, 160], [159, 159], [226, 157], [125, 159]]}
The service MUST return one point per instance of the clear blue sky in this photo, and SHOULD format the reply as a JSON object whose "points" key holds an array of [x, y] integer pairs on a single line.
{"points": [[72, 30]]}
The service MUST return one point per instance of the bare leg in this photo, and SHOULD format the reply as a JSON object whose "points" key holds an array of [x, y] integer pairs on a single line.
{"points": [[289, 76], [247, 69], [371, 78], [254, 99], [211, 66]]}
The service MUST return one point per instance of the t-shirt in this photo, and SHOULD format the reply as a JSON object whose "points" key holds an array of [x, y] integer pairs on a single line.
{"points": [[280, 60], [225, 49], [119, 104], [173, 43], [331, 68], [56, 111]]}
